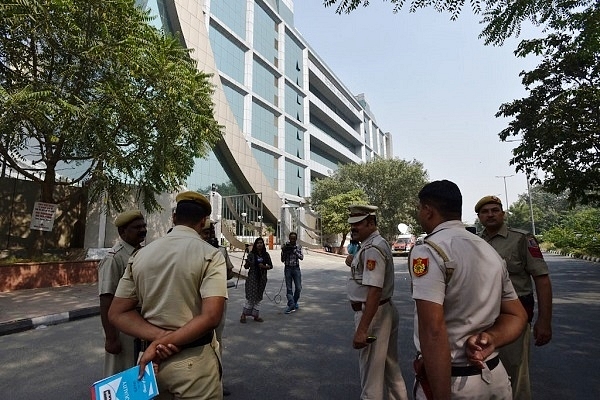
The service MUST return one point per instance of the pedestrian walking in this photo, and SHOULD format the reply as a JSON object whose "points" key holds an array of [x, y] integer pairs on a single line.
{"points": [[257, 263], [291, 254]]}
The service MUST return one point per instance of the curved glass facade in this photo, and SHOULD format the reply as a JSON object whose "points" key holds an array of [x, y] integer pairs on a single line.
{"points": [[287, 118]]}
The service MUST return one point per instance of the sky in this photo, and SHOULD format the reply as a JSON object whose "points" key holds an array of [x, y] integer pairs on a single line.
{"points": [[433, 84]]}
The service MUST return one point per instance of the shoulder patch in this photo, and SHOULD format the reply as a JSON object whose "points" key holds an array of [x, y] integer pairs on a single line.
{"points": [[420, 266], [371, 264], [534, 247]]}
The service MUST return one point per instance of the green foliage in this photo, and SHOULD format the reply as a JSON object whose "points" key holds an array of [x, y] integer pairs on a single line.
{"points": [[334, 211], [453, 7], [574, 229], [30, 259], [585, 224], [502, 19], [225, 189], [559, 122], [548, 210], [577, 231], [89, 87], [390, 184]]}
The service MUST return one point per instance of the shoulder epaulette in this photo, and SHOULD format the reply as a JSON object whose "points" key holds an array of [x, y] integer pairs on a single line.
{"points": [[378, 248], [115, 249], [521, 231], [445, 258]]}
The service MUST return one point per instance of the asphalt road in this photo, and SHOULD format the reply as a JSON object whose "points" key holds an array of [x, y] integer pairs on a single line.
{"points": [[308, 354]]}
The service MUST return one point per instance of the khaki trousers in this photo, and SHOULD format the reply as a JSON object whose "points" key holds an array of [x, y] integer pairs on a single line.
{"points": [[114, 363], [378, 362], [193, 373]]}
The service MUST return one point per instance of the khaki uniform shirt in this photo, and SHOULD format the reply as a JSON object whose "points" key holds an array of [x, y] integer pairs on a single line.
{"points": [[373, 265], [473, 295], [171, 276], [522, 254], [112, 266]]}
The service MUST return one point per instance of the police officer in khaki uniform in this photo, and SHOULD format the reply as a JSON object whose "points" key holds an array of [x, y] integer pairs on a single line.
{"points": [[119, 347], [466, 307], [524, 261], [370, 289], [180, 282]]}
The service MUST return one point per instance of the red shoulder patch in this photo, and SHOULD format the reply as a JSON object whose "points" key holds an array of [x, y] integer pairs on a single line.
{"points": [[420, 266], [534, 248], [371, 264]]}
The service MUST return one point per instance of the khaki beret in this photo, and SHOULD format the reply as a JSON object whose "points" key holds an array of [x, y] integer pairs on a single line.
{"points": [[487, 200], [194, 197], [126, 217], [359, 212]]}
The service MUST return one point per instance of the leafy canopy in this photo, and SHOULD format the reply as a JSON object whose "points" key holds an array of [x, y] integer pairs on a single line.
{"points": [[559, 121], [90, 90], [558, 124], [334, 211], [390, 184]]}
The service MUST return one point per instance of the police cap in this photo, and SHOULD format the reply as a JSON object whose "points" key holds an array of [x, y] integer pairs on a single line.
{"points": [[487, 200], [359, 212], [194, 198], [126, 217]]}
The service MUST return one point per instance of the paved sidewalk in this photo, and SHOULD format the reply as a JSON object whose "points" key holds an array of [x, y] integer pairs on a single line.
{"points": [[29, 308], [26, 309]]}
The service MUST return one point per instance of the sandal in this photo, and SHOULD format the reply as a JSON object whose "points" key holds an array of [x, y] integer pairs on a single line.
{"points": [[259, 319], [243, 319]]}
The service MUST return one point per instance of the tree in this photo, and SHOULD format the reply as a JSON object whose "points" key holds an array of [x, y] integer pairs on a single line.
{"points": [[548, 210], [89, 87], [578, 232], [558, 123], [226, 188], [334, 213], [390, 184], [502, 19]]}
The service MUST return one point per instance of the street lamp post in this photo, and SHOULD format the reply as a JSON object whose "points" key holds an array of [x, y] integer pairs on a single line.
{"points": [[530, 206], [260, 217], [244, 214], [505, 191]]}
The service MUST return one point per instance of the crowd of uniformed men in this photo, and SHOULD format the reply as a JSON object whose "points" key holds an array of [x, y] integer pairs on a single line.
{"points": [[473, 296]]}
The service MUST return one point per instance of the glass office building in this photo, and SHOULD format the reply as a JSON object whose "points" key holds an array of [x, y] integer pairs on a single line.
{"points": [[287, 118]]}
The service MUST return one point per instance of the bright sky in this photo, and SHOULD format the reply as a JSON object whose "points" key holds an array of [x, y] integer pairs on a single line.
{"points": [[431, 83]]}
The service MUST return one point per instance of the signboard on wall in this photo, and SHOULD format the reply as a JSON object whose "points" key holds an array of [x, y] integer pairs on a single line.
{"points": [[42, 217]]}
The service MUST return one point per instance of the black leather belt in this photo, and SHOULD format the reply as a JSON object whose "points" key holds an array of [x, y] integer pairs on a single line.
{"points": [[473, 370], [202, 341], [357, 305]]}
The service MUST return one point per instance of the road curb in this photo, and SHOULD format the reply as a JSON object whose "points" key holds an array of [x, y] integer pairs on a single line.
{"points": [[25, 324], [571, 255]]}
